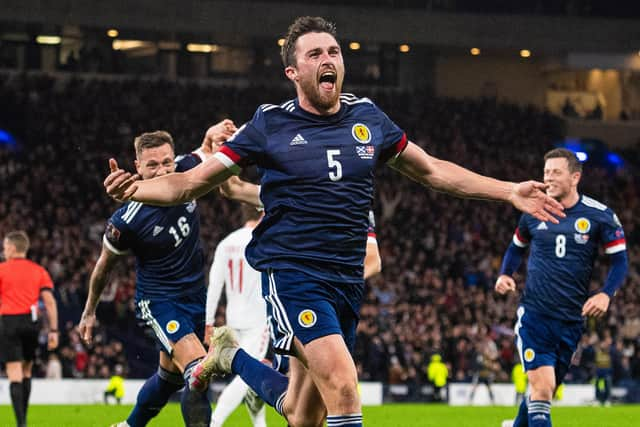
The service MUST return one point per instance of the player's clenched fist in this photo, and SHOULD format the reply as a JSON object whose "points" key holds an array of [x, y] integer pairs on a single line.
{"points": [[505, 284], [217, 134]]}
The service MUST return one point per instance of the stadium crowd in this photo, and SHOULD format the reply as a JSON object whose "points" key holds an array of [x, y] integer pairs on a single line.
{"points": [[440, 255]]}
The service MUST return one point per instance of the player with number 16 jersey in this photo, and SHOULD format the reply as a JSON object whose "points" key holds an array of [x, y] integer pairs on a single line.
{"points": [[165, 241]]}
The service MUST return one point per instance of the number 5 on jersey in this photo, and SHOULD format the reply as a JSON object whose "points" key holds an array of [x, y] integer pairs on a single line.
{"points": [[335, 167]]}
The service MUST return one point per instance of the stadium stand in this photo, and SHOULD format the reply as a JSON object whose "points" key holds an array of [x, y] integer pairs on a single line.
{"points": [[440, 256]]}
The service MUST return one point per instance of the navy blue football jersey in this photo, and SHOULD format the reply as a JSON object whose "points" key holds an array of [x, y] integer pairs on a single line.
{"points": [[562, 255], [165, 242], [316, 175]]}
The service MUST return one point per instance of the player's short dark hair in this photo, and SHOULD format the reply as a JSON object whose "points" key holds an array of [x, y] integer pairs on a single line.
{"points": [[19, 239], [301, 26], [572, 160], [250, 213], [152, 139]]}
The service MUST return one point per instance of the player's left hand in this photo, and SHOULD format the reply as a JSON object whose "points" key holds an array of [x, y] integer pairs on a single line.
{"points": [[597, 305], [529, 197], [216, 135]]}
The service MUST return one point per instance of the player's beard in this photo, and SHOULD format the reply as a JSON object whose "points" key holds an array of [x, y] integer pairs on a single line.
{"points": [[321, 100]]}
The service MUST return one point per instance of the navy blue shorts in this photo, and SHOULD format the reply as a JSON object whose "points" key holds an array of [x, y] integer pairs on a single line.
{"points": [[172, 319], [305, 307], [545, 341]]}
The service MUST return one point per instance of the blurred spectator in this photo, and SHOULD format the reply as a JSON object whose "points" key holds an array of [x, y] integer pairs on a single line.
{"points": [[54, 367], [440, 256]]}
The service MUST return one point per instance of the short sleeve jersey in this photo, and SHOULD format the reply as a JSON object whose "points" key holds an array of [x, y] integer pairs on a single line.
{"points": [[21, 281], [165, 242], [316, 176], [562, 256]]}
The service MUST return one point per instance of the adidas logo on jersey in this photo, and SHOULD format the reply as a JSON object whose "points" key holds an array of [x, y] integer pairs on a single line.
{"points": [[298, 140], [542, 226], [157, 230]]}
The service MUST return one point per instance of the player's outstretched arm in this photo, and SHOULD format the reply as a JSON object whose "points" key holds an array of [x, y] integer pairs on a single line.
{"points": [[450, 178], [97, 282], [167, 190]]}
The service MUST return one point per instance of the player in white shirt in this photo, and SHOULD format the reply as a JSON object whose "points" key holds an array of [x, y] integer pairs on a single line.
{"points": [[246, 312]]}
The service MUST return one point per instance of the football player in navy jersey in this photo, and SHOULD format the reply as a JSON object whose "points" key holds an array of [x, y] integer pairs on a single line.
{"points": [[316, 155], [556, 294], [170, 288]]}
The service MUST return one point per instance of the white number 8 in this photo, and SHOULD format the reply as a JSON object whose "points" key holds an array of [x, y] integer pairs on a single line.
{"points": [[561, 245]]}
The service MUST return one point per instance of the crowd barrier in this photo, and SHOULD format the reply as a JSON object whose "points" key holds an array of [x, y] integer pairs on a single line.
{"points": [[83, 391]]}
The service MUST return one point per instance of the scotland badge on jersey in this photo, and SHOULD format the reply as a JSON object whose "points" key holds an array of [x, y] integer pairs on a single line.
{"points": [[361, 133], [582, 225]]}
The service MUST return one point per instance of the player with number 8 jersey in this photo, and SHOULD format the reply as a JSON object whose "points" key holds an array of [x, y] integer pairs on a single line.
{"points": [[556, 293], [561, 257]]}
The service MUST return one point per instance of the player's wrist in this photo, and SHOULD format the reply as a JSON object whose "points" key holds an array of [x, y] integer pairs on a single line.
{"points": [[203, 152], [512, 191], [607, 293], [53, 331]]}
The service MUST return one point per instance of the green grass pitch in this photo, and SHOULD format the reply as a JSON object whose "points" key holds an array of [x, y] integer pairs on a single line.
{"points": [[390, 415]]}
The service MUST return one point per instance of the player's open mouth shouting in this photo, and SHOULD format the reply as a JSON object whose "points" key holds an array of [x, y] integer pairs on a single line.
{"points": [[327, 80]]}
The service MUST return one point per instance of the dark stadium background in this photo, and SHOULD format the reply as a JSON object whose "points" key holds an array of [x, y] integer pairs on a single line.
{"points": [[70, 101]]}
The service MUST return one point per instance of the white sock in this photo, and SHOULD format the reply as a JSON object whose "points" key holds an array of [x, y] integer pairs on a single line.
{"points": [[230, 398]]}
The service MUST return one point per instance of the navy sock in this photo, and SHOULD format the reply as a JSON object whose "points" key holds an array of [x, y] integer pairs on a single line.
{"points": [[17, 399], [269, 384], [153, 395], [351, 420], [196, 408], [522, 420], [539, 413], [26, 392]]}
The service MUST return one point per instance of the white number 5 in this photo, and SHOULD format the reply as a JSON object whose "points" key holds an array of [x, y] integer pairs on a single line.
{"points": [[334, 175]]}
